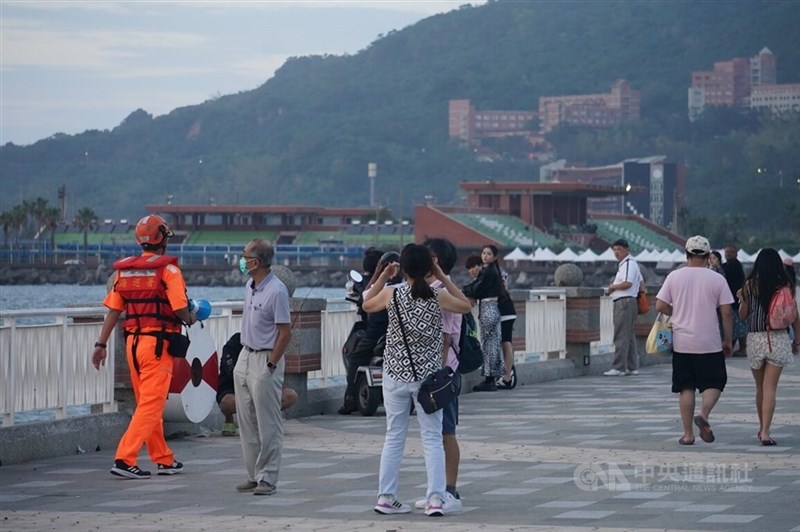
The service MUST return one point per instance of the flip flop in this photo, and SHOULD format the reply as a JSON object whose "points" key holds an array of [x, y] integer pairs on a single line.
{"points": [[706, 434], [686, 442], [769, 442]]}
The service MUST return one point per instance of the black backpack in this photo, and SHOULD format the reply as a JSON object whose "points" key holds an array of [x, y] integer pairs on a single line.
{"points": [[469, 353]]}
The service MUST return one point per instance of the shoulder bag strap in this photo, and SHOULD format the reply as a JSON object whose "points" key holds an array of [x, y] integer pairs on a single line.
{"points": [[403, 331]]}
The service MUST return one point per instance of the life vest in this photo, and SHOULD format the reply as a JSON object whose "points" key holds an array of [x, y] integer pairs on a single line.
{"points": [[140, 284]]}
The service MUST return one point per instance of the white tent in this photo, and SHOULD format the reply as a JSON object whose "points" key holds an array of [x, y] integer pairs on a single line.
{"points": [[648, 255], [783, 254], [743, 257], [796, 258], [674, 257], [607, 256], [587, 256], [544, 255], [517, 254], [567, 256]]}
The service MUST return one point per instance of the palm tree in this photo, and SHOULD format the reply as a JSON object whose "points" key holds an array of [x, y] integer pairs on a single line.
{"points": [[39, 209], [7, 221], [51, 216], [19, 217], [85, 219]]}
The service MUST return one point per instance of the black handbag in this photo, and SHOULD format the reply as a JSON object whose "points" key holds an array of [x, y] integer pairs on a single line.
{"points": [[437, 390]]}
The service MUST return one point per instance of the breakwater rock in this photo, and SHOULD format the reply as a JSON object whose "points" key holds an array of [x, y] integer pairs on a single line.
{"points": [[322, 277]]}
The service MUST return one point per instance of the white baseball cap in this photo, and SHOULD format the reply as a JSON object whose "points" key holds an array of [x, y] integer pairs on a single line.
{"points": [[698, 245]]}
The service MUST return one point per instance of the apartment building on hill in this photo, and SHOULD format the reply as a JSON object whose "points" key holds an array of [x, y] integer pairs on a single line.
{"points": [[744, 83], [468, 125], [590, 110]]}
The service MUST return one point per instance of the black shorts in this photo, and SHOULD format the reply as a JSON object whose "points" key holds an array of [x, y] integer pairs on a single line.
{"points": [[222, 392], [506, 330], [701, 371]]}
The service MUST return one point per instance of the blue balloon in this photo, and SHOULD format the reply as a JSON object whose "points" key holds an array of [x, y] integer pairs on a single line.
{"points": [[201, 308]]}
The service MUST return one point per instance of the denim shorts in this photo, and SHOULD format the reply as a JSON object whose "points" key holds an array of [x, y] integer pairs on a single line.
{"points": [[450, 412]]}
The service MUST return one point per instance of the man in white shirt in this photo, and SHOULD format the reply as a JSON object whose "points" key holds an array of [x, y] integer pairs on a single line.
{"points": [[623, 290]]}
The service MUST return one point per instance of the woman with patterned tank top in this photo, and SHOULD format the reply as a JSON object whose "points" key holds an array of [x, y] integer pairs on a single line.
{"points": [[415, 332]]}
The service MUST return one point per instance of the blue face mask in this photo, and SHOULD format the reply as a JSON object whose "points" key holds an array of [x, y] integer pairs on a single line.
{"points": [[243, 266]]}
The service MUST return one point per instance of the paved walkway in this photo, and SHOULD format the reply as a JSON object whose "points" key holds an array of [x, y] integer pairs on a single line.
{"points": [[588, 453]]}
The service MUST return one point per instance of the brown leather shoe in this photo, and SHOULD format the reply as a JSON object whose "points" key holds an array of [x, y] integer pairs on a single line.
{"points": [[250, 485]]}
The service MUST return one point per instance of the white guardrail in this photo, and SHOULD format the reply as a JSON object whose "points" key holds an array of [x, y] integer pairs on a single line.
{"points": [[48, 366]]}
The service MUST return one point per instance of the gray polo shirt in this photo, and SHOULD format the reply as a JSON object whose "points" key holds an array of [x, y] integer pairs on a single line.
{"points": [[264, 306]]}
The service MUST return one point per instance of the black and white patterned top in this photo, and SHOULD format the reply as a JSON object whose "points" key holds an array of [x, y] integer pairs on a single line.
{"points": [[422, 320]]}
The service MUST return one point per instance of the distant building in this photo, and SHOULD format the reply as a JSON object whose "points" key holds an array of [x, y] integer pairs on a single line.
{"points": [[740, 83], [655, 187], [590, 110], [777, 98], [468, 125]]}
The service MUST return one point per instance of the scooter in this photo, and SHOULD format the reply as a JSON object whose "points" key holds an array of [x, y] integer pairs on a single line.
{"points": [[369, 379]]}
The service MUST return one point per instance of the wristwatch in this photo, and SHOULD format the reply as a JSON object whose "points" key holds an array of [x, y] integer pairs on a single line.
{"points": [[271, 367]]}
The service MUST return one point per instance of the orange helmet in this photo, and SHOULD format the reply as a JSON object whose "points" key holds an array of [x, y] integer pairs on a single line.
{"points": [[152, 230]]}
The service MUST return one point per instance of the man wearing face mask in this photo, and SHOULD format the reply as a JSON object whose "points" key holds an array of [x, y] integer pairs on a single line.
{"points": [[258, 375]]}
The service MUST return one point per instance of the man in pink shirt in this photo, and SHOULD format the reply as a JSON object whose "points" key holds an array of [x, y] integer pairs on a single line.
{"points": [[691, 295]]}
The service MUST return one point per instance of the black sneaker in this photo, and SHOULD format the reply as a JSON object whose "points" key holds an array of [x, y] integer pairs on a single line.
{"points": [[173, 469], [485, 386], [121, 469]]}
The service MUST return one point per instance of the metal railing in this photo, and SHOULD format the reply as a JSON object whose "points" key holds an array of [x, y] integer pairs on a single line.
{"points": [[546, 323], [48, 366]]}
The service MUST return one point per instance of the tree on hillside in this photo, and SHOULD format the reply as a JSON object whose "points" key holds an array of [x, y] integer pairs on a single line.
{"points": [[85, 219]]}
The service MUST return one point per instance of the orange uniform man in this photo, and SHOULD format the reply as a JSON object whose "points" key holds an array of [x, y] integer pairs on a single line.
{"points": [[151, 291]]}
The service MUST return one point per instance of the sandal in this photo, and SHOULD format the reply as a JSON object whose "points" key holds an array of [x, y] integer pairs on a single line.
{"points": [[686, 442], [706, 434], [769, 442]]}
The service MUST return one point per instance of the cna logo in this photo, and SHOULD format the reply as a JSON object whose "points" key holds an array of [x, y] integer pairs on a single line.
{"points": [[596, 477]]}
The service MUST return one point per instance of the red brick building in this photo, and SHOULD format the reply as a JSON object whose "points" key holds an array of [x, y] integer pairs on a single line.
{"points": [[731, 83], [590, 110], [467, 124]]}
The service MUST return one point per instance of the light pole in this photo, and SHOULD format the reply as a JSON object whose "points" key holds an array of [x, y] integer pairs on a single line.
{"points": [[372, 172]]}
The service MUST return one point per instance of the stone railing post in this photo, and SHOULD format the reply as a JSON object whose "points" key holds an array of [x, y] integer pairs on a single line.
{"points": [[583, 322], [304, 351]]}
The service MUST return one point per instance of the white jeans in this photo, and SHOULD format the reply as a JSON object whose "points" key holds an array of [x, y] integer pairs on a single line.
{"points": [[397, 397]]}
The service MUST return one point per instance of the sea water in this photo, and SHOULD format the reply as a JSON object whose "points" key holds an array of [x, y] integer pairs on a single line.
{"points": [[17, 297]]}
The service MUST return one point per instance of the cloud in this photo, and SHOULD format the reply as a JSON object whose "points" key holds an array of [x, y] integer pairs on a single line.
{"points": [[90, 49]]}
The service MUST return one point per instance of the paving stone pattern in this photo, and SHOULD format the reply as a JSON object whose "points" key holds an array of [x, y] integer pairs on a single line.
{"points": [[587, 453]]}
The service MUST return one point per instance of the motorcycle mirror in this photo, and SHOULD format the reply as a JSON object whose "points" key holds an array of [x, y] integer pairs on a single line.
{"points": [[356, 276]]}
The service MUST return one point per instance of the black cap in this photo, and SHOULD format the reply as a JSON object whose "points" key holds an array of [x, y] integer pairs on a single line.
{"points": [[621, 242]]}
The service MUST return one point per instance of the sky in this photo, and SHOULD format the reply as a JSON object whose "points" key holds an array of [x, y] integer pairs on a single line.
{"points": [[68, 66]]}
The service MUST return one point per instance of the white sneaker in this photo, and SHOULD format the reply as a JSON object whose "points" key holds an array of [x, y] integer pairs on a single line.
{"points": [[451, 504], [634, 372], [613, 373], [421, 504], [389, 505], [435, 507]]}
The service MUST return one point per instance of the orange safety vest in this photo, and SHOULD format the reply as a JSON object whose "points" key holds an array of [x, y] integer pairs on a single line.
{"points": [[140, 284]]}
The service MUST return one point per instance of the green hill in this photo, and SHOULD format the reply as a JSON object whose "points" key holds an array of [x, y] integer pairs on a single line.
{"points": [[307, 134]]}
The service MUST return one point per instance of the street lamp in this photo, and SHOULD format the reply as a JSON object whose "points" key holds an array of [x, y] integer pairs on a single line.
{"points": [[372, 172]]}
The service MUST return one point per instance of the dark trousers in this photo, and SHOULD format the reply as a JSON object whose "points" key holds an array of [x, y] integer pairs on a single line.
{"points": [[361, 356]]}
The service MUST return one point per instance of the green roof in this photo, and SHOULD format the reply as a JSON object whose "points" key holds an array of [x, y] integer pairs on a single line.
{"points": [[639, 236], [507, 230]]}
